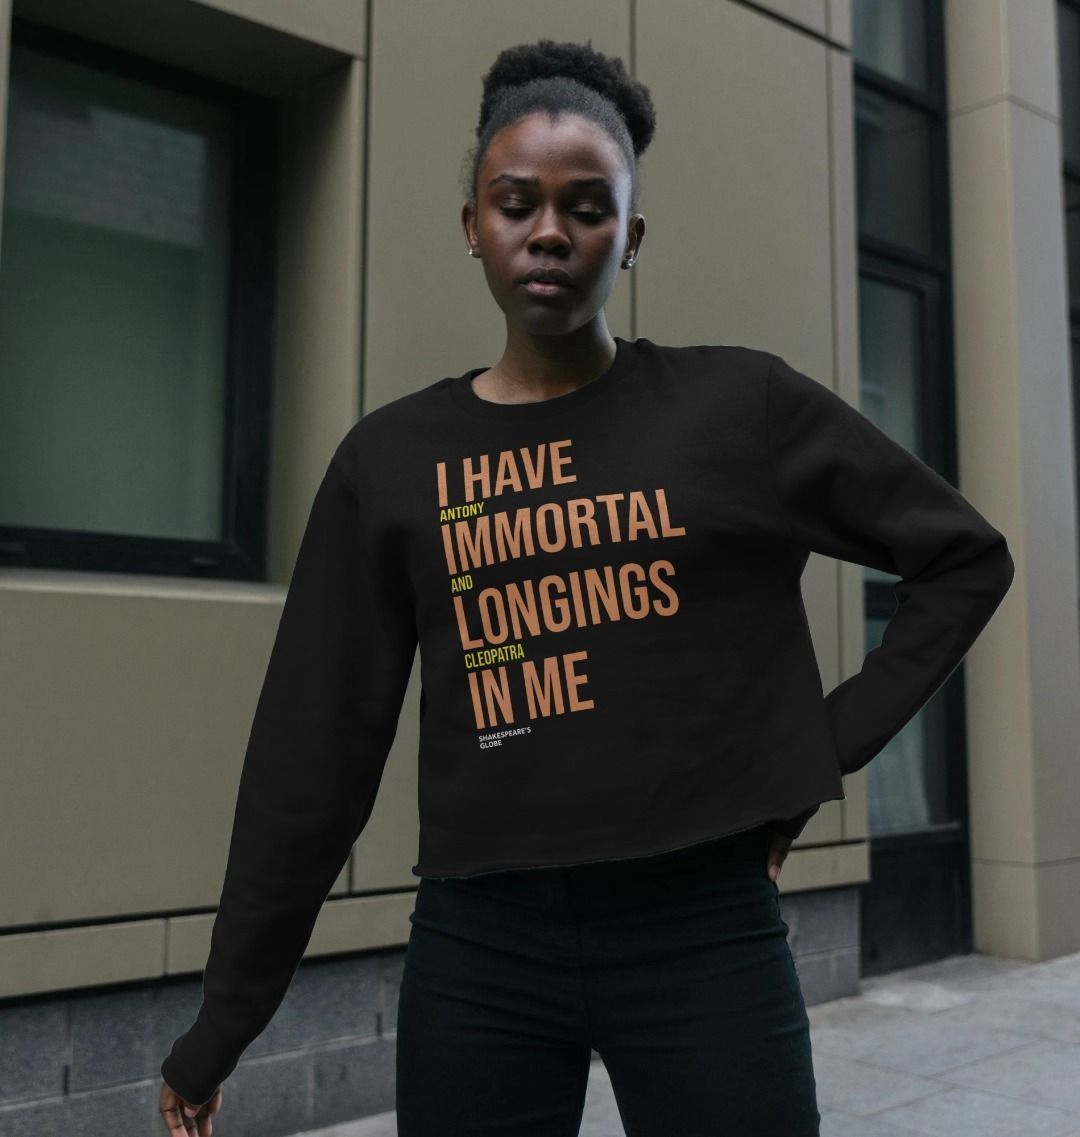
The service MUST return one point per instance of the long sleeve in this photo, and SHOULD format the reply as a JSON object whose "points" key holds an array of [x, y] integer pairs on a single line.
{"points": [[323, 726], [849, 491]]}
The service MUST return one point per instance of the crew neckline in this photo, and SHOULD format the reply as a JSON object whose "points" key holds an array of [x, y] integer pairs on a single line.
{"points": [[462, 392]]}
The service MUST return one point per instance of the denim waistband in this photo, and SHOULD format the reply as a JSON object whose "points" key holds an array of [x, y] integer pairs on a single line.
{"points": [[730, 861]]}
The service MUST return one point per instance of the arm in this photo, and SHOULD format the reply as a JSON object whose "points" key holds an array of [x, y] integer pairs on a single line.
{"points": [[323, 726], [848, 491]]}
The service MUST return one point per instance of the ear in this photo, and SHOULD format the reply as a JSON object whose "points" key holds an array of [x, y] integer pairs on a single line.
{"points": [[468, 224], [635, 235]]}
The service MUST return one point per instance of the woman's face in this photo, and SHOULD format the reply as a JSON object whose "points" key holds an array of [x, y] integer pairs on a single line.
{"points": [[551, 195]]}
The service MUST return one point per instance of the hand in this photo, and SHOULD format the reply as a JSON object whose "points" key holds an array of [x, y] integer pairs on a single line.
{"points": [[183, 1117], [778, 850]]}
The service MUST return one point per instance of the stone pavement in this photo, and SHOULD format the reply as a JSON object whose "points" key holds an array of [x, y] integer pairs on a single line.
{"points": [[971, 1046]]}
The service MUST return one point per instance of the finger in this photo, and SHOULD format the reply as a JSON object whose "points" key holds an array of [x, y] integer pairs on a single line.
{"points": [[189, 1115], [174, 1120], [206, 1123], [169, 1114]]}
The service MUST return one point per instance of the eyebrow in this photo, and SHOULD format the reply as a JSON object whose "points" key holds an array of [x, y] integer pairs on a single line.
{"points": [[518, 179]]}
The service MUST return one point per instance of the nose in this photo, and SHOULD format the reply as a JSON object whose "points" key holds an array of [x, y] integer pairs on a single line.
{"points": [[546, 232]]}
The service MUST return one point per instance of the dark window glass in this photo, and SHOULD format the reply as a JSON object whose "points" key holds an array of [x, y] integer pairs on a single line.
{"points": [[901, 195], [112, 304], [1068, 23], [906, 785], [893, 171], [132, 435], [891, 37], [1072, 240]]}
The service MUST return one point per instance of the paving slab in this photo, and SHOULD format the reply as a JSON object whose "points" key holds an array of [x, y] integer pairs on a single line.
{"points": [[961, 1112], [1044, 1073], [836, 1124]]}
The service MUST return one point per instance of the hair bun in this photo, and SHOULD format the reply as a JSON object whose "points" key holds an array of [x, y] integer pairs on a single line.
{"points": [[605, 74]]}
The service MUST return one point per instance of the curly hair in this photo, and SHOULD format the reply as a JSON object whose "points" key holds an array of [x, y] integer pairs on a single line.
{"points": [[563, 78]]}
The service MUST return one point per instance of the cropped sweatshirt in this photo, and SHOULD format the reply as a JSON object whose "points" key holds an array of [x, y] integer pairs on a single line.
{"points": [[615, 659]]}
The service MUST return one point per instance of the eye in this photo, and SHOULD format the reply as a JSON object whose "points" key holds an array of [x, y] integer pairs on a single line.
{"points": [[589, 215]]}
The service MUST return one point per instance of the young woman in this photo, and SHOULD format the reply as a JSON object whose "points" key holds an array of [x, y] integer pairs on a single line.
{"points": [[597, 544]]}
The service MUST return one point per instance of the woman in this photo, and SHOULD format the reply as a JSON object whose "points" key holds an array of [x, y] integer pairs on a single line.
{"points": [[597, 544]]}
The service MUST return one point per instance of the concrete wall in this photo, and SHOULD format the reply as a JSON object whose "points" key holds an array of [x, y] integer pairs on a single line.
{"points": [[112, 862]]}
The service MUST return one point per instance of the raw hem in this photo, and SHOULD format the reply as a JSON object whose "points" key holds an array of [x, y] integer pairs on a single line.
{"points": [[624, 857]]}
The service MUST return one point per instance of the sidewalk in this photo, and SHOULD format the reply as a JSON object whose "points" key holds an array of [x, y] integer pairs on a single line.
{"points": [[972, 1046]]}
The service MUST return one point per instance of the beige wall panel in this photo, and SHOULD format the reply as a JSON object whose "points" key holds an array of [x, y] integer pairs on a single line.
{"points": [[1002, 49], [735, 188], [126, 716], [33, 963], [71, 958], [825, 866], [363, 922], [809, 14], [317, 383], [1025, 780], [741, 243], [340, 24], [388, 847], [353, 924], [1022, 909], [1005, 909], [839, 22], [317, 389], [1047, 479], [429, 312], [318, 297], [1001, 710]]}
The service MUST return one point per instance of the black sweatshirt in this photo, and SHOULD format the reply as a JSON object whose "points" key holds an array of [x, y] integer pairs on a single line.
{"points": [[615, 657]]}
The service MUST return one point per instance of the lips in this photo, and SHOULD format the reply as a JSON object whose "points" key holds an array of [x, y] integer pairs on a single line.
{"points": [[549, 275]]}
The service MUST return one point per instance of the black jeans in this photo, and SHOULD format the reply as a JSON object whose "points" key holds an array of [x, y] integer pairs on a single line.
{"points": [[675, 968]]}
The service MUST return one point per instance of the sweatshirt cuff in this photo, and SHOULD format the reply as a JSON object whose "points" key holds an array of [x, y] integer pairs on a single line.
{"points": [[188, 1068]]}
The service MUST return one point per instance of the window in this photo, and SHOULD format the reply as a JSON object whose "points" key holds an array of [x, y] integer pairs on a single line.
{"points": [[135, 315], [917, 781]]}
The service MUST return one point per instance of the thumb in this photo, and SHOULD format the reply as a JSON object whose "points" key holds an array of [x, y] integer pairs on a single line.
{"points": [[190, 1110]]}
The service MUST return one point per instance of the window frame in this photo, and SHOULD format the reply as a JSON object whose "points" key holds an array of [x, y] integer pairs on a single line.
{"points": [[241, 551], [927, 866], [930, 275]]}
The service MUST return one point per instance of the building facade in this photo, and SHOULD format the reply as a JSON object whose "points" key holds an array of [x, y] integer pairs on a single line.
{"points": [[226, 232]]}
